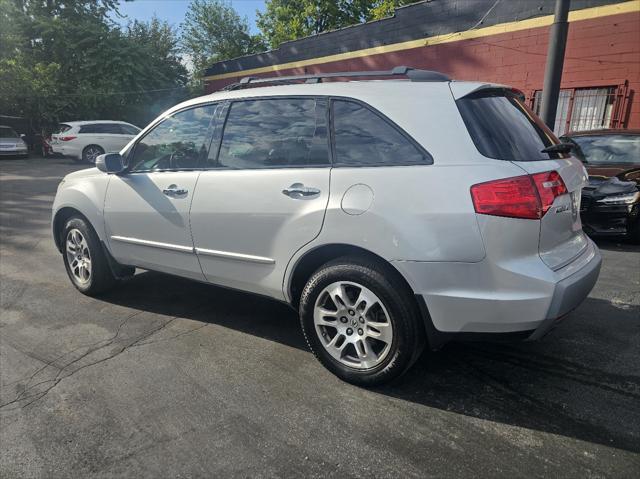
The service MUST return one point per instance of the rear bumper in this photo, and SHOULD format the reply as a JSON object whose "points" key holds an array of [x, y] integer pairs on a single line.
{"points": [[14, 152], [66, 150], [569, 293], [514, 299]]}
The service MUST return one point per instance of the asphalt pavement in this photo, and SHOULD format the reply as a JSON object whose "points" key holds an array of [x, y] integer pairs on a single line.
{"points": [[165, 377]]}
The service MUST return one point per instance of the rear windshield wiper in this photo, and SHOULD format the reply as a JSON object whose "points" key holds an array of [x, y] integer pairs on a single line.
{"points": [[559, 148]]}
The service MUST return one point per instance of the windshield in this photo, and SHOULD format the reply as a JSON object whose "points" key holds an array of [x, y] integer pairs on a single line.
{"points": [[504, 128], [604, 149], [6, 132]]}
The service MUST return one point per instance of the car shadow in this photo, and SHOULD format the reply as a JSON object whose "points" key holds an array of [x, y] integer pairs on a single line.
{"points": [[581, 381]]}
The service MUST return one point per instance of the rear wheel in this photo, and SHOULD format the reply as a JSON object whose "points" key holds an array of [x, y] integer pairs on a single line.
{"points": [[634, 233], [84, 259], [91, 152], [359, 323]]}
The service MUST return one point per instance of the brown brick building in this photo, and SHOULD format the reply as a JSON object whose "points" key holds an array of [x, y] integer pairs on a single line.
{"points": [[502, 42]]}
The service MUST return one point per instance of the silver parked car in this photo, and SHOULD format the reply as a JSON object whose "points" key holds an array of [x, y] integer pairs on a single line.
{"points": [[12, 144], [390, 214]]}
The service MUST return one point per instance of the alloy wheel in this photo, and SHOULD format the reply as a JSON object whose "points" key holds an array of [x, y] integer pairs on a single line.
{"points": [[353, 324], [92, 154], [78, 256]]}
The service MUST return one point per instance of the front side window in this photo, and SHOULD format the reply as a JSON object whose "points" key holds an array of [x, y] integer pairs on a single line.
{"points": [[363, 138], [128, 129], [275, 133], [110, 128], [180, 141]]}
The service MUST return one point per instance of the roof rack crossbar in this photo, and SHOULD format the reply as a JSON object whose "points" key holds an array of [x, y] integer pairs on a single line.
{"points": [[412, 73]]}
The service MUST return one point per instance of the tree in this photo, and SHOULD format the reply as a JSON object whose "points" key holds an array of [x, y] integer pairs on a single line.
{"points": [[67, 60], [213, 31], [285, 20]]}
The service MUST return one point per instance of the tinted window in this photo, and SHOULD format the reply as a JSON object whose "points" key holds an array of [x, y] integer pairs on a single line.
{"points": [[275, 133], [129, 129], [602, 149], [363, 138], [62, 128], [504, 128], [92, 128], [110, 128], [6, 132], [178, 142]]}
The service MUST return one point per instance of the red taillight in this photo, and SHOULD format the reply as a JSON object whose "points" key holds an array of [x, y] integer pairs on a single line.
{"points": [[549, 185], [528, 196], [67, 138]]}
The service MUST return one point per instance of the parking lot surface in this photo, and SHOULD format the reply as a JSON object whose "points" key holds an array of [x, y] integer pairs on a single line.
{"points": [[165, 377]]}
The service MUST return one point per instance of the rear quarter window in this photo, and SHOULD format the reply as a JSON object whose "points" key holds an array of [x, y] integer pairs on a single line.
{"points": [[502, 127], [362, 137], [62, 128]]}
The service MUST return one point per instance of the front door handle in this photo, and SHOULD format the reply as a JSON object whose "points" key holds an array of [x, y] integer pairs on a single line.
{"points": [[173, 190], [299, 191]]}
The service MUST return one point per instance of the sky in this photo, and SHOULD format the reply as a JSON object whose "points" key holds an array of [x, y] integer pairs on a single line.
{"points": [[173, 11]]}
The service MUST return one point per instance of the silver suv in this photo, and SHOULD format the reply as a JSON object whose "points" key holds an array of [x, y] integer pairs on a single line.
{"points": [[390, 214]]}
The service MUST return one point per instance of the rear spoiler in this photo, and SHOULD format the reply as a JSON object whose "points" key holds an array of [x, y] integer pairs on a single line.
{"points": [[462, 89]]}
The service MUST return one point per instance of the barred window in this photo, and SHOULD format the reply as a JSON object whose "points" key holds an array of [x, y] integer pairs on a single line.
{"points": [[581, 109]]}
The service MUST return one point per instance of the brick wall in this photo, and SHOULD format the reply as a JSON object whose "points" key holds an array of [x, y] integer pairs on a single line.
{"points": [[603, 51]]}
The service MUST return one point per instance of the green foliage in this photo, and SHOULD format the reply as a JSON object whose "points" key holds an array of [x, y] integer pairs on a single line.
{"points": [[66, 60], [213, 31], [285, 20]]}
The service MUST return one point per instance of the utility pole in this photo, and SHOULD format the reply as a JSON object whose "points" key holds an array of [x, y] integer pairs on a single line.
{"points": [[555, 62]]}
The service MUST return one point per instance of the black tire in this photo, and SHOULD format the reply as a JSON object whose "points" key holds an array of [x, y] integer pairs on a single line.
{"points": [[101, 278], [89, 151], [634, 233], [408, 332]]}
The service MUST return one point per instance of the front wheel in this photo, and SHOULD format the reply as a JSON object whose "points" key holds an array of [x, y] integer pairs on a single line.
{"points": [[84, 259], [361, 324]]}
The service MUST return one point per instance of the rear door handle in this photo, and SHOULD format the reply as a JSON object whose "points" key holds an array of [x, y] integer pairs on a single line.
{"points": [[299, 191], [174, 190]]}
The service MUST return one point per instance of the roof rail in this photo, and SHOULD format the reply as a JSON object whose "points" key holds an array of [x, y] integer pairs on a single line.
{"points": [[412, 73]]}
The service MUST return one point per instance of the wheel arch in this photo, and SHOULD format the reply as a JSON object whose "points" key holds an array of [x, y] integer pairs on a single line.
{"points": [[311, 260], [60, 218]]}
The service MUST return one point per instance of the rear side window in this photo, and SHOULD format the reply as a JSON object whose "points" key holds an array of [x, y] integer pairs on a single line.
{"points": [[363, 138], [275, 133], [91, 128], [504, 128]]}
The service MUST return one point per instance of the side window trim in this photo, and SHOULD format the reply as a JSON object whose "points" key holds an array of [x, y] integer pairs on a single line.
{"points": [[222, 113], [428, 158], [132, 150], [226, 108]]}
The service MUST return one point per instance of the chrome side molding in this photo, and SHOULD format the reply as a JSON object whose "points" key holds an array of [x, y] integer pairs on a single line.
{"points": [[154, 244], [189, 249], [236, 256]]}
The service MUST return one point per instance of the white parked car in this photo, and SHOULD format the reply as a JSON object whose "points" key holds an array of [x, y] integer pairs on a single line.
{"points": [[390, 214], [86, 140]]}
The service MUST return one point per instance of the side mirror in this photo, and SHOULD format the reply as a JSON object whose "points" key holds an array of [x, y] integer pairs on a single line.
{"points": [[22, 135], [110, 163]]}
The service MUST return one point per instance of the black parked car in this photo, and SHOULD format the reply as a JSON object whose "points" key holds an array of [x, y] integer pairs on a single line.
{"points": [[611, 201]]}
